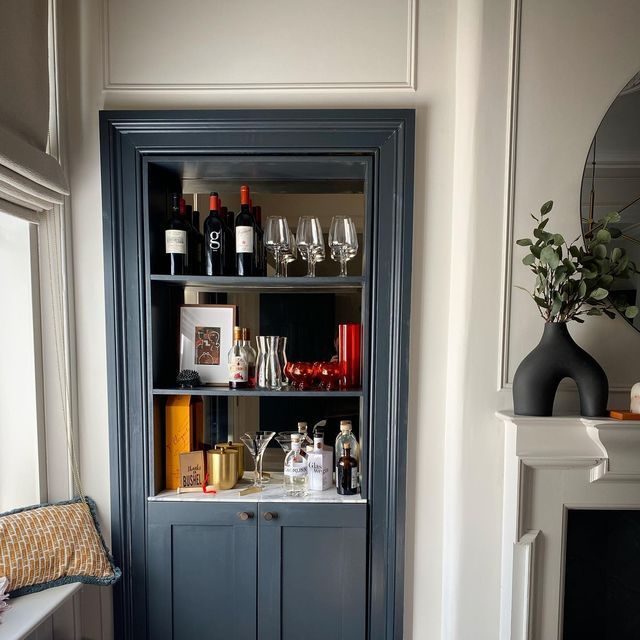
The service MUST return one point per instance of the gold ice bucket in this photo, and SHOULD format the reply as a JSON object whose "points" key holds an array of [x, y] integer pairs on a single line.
{"points": [[222, 466], [239, 447]]}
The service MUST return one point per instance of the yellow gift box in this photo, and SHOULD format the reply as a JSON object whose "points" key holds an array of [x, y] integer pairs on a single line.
{"points": [[184, 426]]}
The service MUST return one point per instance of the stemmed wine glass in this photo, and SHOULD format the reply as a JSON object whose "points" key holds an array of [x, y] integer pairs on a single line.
{"points": [[343, 241], [290, 255], [277, 239], [257, 442], [310, 242]]}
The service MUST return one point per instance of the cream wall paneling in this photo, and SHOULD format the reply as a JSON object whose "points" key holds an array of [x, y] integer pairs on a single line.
{"points": [[359, 44], [560, 88]]}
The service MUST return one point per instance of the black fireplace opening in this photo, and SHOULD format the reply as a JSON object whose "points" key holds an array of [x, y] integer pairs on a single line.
{"points": [[602, 578]]}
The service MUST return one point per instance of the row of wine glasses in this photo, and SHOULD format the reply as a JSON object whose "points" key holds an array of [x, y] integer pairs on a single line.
{"points": [[309, 242]]}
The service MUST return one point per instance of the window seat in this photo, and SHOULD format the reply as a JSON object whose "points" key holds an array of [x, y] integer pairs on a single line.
{"points": [[28, 612]]}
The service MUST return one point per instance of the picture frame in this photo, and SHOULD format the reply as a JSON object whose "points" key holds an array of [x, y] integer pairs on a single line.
{"points": [[206, 336]]}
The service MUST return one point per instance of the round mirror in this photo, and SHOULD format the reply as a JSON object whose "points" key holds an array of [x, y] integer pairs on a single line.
{"points": [[611, 182]]}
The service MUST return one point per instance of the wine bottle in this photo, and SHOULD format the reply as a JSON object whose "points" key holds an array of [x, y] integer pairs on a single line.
{"points": [[215, 247], [198, 264], [261, 264], [347, 477], [237, 360], [245, 232], [176, 238], [251, 356], [230, 240], [195, 240]]}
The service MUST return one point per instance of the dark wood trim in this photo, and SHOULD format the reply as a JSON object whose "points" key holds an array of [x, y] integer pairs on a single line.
{"points": [[127, 137]]}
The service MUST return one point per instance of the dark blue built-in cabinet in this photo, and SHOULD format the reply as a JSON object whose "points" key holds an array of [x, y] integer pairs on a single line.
{"points": [[255, 569]]}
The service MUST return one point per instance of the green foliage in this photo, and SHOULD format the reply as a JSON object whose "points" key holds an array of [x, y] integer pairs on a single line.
{"points": [[572, 280]]}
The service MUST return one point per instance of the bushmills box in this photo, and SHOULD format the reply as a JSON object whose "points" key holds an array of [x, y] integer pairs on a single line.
{"points": [[319, 469], [191, 469], [184, 425]]}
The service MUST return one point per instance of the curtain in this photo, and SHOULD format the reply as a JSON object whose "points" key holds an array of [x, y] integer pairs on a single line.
{"points": [[28, 175]]}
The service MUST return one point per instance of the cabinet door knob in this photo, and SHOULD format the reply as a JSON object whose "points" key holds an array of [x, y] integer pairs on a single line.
{"points": [[270, 515], [245, 515]]}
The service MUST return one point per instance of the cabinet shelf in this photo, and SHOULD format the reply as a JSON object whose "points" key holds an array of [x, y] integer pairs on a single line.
{"points": [[272, 492], [299, 284], [261, 393]]}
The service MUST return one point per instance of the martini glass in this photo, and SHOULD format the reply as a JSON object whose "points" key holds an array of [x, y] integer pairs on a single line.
{"points": [[257, 442], [284, 440]]}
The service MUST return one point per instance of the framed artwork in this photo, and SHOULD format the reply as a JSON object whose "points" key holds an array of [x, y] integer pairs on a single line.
{"points": [[206, 336]]}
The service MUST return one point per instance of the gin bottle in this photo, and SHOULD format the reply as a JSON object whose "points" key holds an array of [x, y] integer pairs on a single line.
{"points": [[346, 437], [295, 469]]}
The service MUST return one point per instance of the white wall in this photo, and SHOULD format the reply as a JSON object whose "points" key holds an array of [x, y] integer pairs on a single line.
{"points": [[455, 73]]}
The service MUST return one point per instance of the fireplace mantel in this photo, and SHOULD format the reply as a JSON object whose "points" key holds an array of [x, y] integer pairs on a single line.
{"points": [[552, 465], [610, 448]]}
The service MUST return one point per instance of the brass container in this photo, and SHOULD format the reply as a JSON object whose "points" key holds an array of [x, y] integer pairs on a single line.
{"points": [[239, 447], [222, 466]]}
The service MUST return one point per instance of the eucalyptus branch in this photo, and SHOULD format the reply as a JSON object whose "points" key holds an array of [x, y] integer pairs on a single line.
{"points": [[573, 280]]}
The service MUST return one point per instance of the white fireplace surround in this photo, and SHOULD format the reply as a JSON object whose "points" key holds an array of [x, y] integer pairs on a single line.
{"points": [[552, 465]]}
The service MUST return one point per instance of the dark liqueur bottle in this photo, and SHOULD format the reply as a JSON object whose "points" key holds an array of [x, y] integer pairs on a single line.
{"points": [[347, 480], [245, 230], [176, 243], [214, 239]]}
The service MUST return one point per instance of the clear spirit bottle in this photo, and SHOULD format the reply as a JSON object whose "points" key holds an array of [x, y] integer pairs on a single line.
{"points": [[295, 469], [304, 436]]}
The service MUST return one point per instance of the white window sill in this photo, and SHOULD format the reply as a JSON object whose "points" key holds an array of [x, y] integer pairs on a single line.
{"points": [[28, 612]]}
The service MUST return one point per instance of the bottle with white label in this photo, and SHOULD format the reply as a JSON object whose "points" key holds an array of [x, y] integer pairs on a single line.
{"points": [[238, 364], [295, 469], [319, 463], [245, 229], [175, 238]]}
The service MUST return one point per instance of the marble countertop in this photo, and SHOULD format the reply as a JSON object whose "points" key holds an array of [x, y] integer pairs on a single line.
{"points": [[273, 492]]}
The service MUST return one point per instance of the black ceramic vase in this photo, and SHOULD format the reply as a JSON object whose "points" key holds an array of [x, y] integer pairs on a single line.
{"points": [[556, 357]]}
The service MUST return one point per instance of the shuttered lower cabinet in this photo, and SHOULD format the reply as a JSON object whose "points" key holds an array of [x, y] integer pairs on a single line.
{"points": [[258, 566], [257, 571]]}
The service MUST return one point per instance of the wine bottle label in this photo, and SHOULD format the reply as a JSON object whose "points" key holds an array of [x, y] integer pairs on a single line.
{"points": [[238, 370], [296, 470], [214, 241], [175, 241], [244, 239]]}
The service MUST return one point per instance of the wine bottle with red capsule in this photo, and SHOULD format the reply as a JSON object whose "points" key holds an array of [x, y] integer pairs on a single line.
{"points": [[245, 229], [214, 239], [176, 244]]}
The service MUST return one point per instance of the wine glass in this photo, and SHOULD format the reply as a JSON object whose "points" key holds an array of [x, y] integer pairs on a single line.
{"points": [[277, 239], [290, 255], [310, 242], [257, 442], [343, 241]]}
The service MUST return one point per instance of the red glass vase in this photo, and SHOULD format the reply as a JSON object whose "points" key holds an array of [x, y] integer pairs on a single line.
{"points": [[350, 355]]}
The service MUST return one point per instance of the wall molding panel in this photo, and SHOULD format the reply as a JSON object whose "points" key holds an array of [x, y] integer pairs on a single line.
{"points": [[509, 195], [387, 41]]}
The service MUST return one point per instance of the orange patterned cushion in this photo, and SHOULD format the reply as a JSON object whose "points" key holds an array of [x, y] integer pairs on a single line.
{"points": [[44, 546]]}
